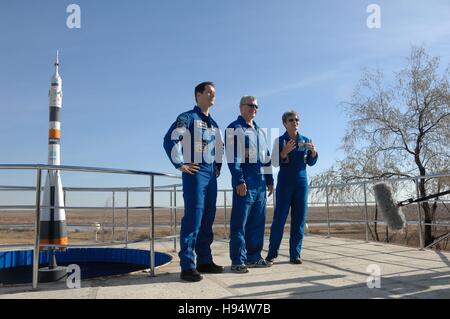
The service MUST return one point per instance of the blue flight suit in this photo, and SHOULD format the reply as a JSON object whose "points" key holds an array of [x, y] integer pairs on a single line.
{"points": [[291, 192], [249, 162], [195, 138]]}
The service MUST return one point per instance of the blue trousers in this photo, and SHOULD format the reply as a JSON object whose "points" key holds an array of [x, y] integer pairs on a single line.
{"points": [[247, 224], [294, 197], [196, 234]]}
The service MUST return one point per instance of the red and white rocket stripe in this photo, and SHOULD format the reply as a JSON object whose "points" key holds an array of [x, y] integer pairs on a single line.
{"points": [[53, 219]]}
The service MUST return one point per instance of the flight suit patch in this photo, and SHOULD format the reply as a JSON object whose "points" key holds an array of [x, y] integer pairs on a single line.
{"points": [[182, 121]]}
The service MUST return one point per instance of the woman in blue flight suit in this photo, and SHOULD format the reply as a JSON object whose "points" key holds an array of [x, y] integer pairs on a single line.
{"points": [[294, 153]]}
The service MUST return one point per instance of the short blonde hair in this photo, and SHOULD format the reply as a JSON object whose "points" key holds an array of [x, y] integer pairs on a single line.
{"points": [[288, 114]]}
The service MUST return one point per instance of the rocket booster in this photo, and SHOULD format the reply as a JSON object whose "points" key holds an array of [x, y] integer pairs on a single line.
{"points": [[55, 104], [53, 217]]}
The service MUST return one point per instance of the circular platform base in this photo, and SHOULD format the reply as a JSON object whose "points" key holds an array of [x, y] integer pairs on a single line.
{"points": [[16, 266], [52, 275]]}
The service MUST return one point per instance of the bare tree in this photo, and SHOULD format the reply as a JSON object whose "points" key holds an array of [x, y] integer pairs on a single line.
{"points": [[399, 129]]}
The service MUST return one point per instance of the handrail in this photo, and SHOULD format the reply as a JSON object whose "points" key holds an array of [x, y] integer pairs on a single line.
{"points": [[38, 189], [93, 189], [84, 169]]}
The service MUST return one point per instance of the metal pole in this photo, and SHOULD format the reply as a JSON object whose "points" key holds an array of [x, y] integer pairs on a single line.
{"points": [[225, 236], [126, 233], [37, 230], [152, 248], [113, 216], [366, 212], [175, 218], [172, 232], [419, 216], [328, 212]]}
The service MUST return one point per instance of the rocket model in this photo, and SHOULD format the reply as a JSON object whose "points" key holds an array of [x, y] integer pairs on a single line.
{"points": [[53, 217]]}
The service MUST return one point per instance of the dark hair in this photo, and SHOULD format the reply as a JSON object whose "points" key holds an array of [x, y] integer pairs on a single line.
{"points": [[201, 88]]}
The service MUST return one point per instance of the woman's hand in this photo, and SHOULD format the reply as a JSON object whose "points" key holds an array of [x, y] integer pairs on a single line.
{"points": [[312, 148], [289, 147]]}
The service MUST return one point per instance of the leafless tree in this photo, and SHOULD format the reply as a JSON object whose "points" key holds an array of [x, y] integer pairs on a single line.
{"points": [[398, 128]]}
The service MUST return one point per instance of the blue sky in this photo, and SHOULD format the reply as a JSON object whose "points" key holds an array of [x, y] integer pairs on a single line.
{"points": [[132, 66]]}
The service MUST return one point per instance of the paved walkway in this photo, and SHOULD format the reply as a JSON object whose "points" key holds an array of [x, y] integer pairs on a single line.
{"points": [[332, 268]]}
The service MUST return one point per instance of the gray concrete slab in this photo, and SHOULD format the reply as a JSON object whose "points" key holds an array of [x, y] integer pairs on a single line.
{"points": [[333, 268]]}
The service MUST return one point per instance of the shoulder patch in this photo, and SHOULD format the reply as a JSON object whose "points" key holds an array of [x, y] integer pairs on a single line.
{"points": [[182, 120]]}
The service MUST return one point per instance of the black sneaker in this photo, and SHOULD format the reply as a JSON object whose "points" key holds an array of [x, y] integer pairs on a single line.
{"points": [[191, 275], [240, 269], [210, 268], [257, 264], [296, 261], [269, 261]]}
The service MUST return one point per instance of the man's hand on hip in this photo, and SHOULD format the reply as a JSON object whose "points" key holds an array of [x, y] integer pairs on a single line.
{"points": [[241, 189], [189, 168]]}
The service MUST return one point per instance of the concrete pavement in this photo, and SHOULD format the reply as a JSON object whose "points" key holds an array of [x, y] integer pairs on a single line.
{"points": [[332, 268]]}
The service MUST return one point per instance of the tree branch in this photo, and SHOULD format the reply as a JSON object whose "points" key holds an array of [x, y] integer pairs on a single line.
{"points": [[436, 123]]}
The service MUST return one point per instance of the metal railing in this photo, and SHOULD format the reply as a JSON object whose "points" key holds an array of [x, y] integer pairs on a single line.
{"points": [[173, 189], [325, 201], [39, 168], [173, 205]]}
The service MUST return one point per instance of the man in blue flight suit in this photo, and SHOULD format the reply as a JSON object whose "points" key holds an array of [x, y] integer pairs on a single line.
{"points": [[292, 152], [194, 146], [249, 161]]}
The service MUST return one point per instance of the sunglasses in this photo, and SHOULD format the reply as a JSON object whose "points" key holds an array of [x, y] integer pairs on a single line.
{"points": [[292, 120], [253, 106]]}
